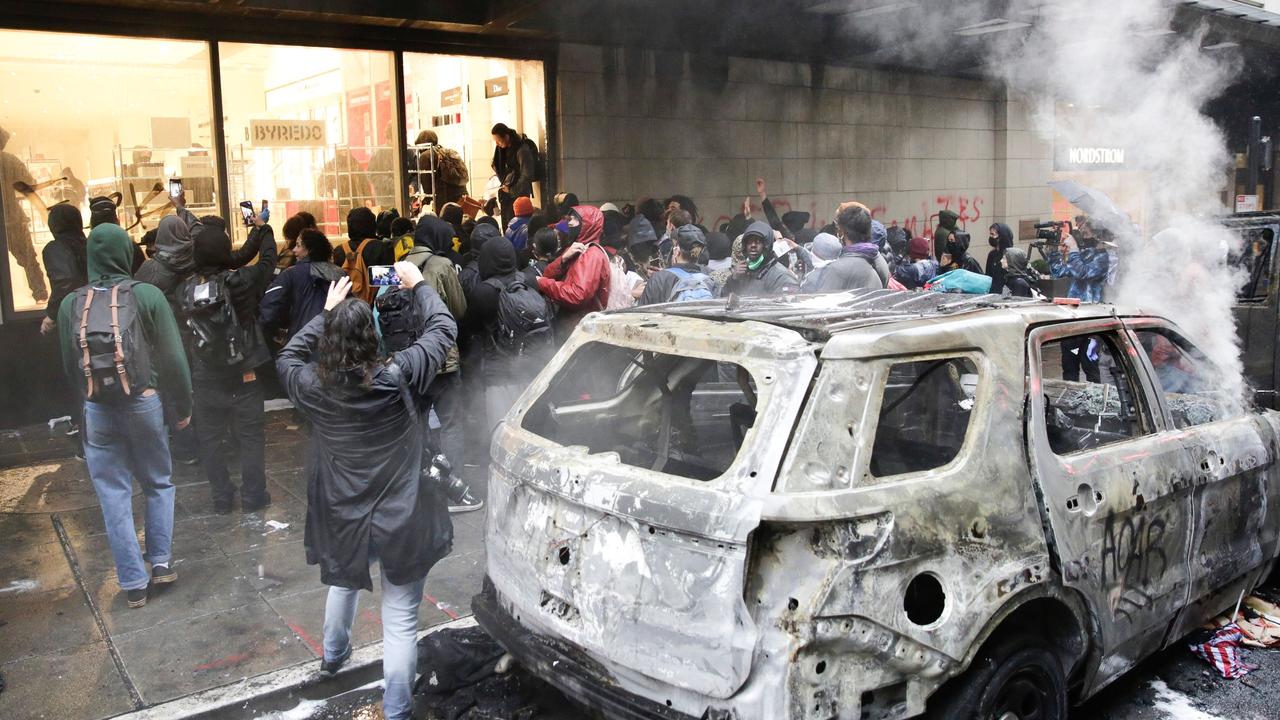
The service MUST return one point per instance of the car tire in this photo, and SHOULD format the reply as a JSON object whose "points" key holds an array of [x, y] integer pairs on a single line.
{"points": [[1020, 679]]}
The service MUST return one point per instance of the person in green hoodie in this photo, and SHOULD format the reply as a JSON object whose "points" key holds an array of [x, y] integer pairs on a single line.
{"points": [[946, 229], [127, 439]]}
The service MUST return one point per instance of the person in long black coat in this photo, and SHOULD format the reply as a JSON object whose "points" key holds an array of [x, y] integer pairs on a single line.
{"points": [[366, 497]]}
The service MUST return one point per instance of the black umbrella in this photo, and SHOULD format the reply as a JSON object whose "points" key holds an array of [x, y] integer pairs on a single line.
{"points": [[1100, 208]]}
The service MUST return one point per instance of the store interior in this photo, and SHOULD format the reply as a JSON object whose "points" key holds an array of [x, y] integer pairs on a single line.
{"points": [[306, 128]]}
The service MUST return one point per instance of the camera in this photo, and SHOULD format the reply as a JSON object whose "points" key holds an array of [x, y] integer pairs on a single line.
{"points": [[1051, 232]]}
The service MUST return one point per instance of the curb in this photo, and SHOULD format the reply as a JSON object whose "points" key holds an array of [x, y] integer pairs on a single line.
{"points": [[286, 687]]}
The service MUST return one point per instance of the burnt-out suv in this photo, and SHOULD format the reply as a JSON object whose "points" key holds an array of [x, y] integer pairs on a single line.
{"points": [[869, 505]]}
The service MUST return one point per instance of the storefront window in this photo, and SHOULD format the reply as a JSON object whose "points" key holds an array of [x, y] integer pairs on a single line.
{"points": [[460, 99], [89, 115], [309, 129]]}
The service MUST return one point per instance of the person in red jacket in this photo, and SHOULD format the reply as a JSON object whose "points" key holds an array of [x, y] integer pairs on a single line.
{"points": [[578, 281]]}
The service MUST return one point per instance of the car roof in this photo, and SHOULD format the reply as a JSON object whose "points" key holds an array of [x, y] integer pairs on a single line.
{"points": [[819, 317]]}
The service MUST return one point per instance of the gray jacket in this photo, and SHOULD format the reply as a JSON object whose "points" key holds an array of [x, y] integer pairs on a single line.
{"points": [[849, 272]]}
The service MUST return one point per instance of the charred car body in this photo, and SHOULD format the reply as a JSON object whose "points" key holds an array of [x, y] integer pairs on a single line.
{"points": [[869, 505]]}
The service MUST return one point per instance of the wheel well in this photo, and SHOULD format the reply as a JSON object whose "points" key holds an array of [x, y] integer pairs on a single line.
{"points": [[1052, 620]]}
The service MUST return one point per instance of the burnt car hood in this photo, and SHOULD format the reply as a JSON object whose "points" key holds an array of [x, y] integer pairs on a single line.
{"points": [[643, 571]]}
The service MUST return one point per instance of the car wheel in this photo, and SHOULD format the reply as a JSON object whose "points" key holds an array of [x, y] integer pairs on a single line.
{"points": [[1019, 680]]}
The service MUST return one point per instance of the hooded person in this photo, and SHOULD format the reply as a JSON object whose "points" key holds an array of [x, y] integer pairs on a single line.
{"points": [[1020, 279], [719, 249], [759, 273], [956, 254], [484, 233], [367, 499], [444, 395], [361, 251], [857, 266], [577, 281], [298, 294], [686, 278], [103, 209], [65, 259], [225, 358], [126, 438], [947, 220], [173, 260], [518, 230], [503, 376], [642, 246], [824, 250], [920, 266], [1000, 238]]}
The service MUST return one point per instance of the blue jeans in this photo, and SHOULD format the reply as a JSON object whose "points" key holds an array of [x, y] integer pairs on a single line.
{"points": [[125, 442], [399, 639]]}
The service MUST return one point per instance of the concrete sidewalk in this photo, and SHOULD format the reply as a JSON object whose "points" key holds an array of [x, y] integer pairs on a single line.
{"points": [[245, 604]]}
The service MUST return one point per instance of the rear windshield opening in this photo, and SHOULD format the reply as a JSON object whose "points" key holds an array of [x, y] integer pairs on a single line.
{"points": [[675, 414]]}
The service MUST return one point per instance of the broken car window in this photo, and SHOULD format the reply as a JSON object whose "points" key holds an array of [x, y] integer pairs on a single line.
{"points": [[1190, 384], [1088, 392], [676, 414], [1254, 262], [924, 415]]}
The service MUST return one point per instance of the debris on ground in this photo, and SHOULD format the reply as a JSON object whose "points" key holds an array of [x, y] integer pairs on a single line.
{"points": [[460, 678]]}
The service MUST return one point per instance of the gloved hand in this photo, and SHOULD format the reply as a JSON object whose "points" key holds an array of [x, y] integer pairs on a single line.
{"points": [[265, 215]]}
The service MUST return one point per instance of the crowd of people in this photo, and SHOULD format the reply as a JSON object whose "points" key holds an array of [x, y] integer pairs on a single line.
{"points": [[401, 345]]}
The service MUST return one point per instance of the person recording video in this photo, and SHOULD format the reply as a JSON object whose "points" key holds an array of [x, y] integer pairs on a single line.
{"points": [[367, 501]]}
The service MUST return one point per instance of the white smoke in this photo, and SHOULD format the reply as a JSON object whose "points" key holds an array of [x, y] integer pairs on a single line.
{"points": [[1140, 87]]}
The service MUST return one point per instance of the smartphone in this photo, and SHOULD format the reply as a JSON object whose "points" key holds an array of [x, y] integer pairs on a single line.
{"points": [[246, 209], [383, 276], [175, 187]]}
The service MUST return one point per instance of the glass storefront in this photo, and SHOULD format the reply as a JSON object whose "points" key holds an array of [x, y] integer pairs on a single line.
{"points": [[309, 129], [89, 115], [305, 128], [461, 98]]}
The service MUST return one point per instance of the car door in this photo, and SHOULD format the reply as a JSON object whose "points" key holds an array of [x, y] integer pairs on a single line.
{"points": [[1228, 454], [1115, 508]]}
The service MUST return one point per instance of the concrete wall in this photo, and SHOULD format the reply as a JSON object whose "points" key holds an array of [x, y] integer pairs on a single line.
{"points": [[632, 124]]}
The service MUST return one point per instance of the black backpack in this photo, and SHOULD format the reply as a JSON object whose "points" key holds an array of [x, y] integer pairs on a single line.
{"points": [[523, 325], [398, 319], [114, 356], [217, 338], [539, 162]]}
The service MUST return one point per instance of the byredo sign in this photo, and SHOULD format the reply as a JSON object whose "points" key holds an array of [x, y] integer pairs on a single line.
{"points": [[286, 133]]}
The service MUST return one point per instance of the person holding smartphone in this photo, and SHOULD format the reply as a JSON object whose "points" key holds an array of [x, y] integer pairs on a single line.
{"points": [[367, 502]]}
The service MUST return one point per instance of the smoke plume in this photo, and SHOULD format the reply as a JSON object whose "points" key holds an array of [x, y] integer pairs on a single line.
{"points": [[1135, 84]]}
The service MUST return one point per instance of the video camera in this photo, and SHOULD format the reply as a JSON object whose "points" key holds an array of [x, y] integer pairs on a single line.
{"points": [[1051, 232]]}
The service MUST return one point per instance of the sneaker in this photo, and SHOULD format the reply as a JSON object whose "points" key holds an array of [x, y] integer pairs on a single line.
{"points": [[222, 506], [187, 460], [163, 574], [465, 503], [137, 598], [248, 507], [329, 668]]}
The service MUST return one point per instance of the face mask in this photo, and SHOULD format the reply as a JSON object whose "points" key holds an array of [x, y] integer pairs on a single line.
{"points": [[993, 242]]}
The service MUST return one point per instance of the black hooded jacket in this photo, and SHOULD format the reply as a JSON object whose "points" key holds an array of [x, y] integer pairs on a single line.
{"points": [[364, 484], [212, 255], [1003, 241], [470, 274], [958, 247], [65, 259], [297, 295], [497, 261]]}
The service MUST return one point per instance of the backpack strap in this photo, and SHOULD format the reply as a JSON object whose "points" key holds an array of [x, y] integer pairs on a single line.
{"points": [[115, 331], [84, 342]]}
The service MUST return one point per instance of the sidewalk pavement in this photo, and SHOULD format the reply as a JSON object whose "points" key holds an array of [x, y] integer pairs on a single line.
{"points": [[245, 603]]}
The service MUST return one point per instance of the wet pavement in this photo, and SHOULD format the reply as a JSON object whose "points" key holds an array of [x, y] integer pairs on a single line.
{"points": [[245, 603]]}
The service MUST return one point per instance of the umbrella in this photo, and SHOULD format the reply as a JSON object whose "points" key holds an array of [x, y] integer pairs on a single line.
{"points": [[1100, 209]]}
